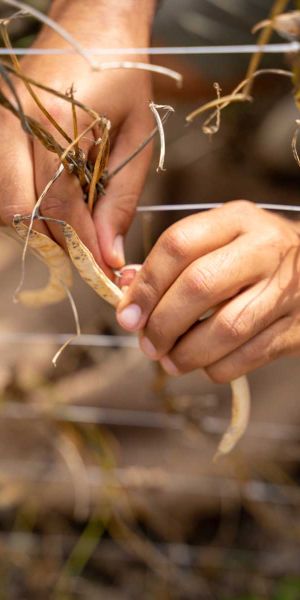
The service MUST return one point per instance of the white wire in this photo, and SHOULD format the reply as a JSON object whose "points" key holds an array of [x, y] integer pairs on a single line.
{"points": [[210, 205], [121, 417], [167, 50], [36, 472], [106, 341]]}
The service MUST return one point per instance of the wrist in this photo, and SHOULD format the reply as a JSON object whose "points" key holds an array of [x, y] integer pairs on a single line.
{"points": [[106, 22]]}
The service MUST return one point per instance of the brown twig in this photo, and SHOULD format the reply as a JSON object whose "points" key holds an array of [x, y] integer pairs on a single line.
{"points": [[278, 7]]}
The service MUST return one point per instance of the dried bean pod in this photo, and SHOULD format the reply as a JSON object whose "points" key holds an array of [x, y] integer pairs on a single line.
{"points": [[58, 263], [89, 270], [241, 401]]}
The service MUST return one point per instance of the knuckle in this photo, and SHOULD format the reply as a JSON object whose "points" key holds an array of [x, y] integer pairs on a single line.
{"points": [[219, 373], [8, 212], [146, 289], [261, 348], [272, 236], [232, 328], [175, 242], [274, 352], [241, 210], [243, 206], [55, 207], [184, 359], [181, 361], [200, 282], [156, 331], [251, 352]]}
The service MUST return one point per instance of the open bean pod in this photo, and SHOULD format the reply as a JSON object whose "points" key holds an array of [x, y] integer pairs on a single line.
{"points": [[58, 263], [89, 270]]}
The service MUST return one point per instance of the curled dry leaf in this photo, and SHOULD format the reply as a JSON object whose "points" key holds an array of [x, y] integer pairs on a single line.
{"points": [[58, 263], [287, 25], [155, 110]]}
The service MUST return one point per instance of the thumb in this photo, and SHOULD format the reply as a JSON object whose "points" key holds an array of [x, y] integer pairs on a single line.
{"points": [[114, 212]]}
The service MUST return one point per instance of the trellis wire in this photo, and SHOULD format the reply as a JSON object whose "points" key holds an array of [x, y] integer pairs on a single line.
{"points": [[34, 472], [167, 50], [119, 417], [210, 205], [103, 341]]}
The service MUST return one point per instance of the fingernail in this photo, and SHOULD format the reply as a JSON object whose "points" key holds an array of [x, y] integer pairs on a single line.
{"points": [[127, 275], [130, 316], [148, 348], [118, 249], [168, 365]]}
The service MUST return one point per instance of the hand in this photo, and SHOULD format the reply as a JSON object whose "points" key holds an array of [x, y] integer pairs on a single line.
{"points": [[121, 95], [238, 258]]}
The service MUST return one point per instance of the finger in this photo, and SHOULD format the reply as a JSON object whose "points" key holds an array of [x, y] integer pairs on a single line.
{"points": [[281, 338], [63, 201], [206, 283], [229, 328], [177, 248], [17, 192], [114, 212]]}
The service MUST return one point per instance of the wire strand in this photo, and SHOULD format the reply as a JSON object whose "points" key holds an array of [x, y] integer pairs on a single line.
{"points": [[210, 205], [167, 50], [101, 341]]}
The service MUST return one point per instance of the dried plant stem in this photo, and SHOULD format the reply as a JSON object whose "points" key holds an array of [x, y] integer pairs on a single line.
{"points": [[50, 90], [19, 108], [99, 167], [220, 103], [155, 110], [82, 134], [126, 64], [139, 149], [294, 143], [278, 7], [212, 129], [225, 101], [74, 119], [78, 153], [77, 324]]}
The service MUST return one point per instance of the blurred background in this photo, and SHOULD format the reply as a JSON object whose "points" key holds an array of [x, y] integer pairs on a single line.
{"points": [[108, 489]]}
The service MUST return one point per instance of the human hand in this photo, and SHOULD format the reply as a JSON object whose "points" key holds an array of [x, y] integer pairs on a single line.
{"points": [[238, 258], [120, 95]]}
